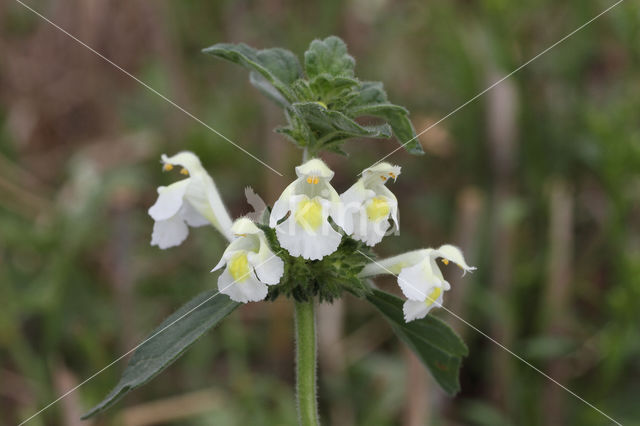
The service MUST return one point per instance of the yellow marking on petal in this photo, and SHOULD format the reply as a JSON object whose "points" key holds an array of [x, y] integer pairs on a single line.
{"points": [[378, 209], [433, 297], [184, 172], [167, 167], [240, 235], [384, 178], [309, 214], [239, 267], [445, 261], [315, 180], [309, 180]]}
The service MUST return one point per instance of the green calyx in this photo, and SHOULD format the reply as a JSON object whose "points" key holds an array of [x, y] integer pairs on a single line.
{"points": [[322, 98], [326, 279]]}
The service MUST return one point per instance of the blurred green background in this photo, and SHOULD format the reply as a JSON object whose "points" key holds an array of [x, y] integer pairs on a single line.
{"points": [[538, 181]]}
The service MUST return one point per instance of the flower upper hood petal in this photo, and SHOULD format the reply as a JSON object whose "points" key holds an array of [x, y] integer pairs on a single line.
{"points": [[453, 254], [380, 173], [314, 167], [186, 159], [244, 226]]}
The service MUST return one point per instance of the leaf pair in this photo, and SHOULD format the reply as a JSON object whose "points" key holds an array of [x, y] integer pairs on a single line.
{"points": [[434, 342], [322, 103]]}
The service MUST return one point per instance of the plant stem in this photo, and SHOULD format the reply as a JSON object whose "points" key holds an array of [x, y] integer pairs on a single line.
{"points": [[306, 364]]}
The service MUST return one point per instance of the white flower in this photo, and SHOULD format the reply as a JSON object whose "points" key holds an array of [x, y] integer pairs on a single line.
{"points": [[369, 204], [419, 277], [311, 200], [250, 264], [193, 201]]}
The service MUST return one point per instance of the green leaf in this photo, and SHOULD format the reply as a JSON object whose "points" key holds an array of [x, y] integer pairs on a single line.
{"points": [[336, 149], [328, 56], [168, 342], [335, 92], [316, 127], [398, 119], [369, 92], [267, 89], [303, 92], [279, 67], [332, 141], [297, 131], [329, 125], [433, 341]]}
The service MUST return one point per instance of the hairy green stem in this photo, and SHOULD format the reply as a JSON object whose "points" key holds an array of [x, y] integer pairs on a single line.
{"points": [[306, 364]]}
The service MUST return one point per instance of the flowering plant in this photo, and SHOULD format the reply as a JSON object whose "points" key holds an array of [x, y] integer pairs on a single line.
{"points": [[314, 244]]}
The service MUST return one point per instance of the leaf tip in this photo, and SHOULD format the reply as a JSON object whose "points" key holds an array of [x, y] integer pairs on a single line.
{"points": [[415, 150]]}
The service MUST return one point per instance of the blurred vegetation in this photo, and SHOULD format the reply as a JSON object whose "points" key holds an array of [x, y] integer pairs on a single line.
{"points": [[538, 181]]}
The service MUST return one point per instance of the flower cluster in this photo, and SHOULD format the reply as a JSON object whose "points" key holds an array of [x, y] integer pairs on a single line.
{"points": [[311, 231]]}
